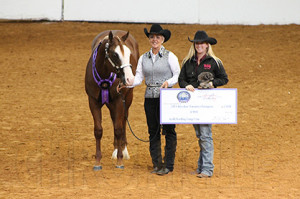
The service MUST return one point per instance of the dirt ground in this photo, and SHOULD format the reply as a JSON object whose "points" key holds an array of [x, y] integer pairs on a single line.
{"points": [[47, 144]]}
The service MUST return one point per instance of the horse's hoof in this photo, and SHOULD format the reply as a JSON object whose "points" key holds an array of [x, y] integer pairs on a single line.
{"points": [[97, 168], [120, 167]]}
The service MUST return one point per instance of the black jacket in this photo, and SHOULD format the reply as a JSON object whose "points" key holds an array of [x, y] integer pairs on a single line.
{"points": [[190, 71]]}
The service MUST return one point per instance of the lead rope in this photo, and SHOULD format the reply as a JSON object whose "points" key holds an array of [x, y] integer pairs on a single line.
{"points": [[158, 130]]}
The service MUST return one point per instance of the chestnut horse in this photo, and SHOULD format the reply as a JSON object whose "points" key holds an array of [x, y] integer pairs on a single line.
{"points": [[112, 63]]}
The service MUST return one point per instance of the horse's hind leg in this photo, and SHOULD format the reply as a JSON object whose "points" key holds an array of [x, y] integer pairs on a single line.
{"points": [[95, 108]]}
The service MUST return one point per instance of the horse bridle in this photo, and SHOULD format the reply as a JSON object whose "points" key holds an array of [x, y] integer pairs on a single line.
{"points": [[123, 100], [111, 62], [105, 84]]}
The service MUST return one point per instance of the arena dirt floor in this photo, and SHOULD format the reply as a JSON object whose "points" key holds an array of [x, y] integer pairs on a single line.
{"points": [[47, 144]]}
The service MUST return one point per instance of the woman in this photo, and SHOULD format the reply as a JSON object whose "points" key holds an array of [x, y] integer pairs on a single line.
{"points": [[202, 59], [160, 69]]}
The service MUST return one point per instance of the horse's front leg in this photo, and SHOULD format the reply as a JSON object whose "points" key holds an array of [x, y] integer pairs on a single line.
{"points": [[95, 108], [119, 122]]}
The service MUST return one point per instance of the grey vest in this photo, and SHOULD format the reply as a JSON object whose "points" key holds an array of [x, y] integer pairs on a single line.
{"points": [[156, 73]]}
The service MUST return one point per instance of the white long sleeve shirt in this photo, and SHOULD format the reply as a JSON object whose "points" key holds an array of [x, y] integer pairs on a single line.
{"points": [[174, 65]]}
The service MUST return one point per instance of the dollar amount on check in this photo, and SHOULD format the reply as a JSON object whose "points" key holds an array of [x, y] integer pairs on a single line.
{"points": [[203, 106]]}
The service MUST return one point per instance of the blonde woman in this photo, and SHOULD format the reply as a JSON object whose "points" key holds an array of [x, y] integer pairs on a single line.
{"points": [[201, 59]]}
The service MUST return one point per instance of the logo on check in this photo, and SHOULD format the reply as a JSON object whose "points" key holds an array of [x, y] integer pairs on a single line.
{"points": [[183, 96]]}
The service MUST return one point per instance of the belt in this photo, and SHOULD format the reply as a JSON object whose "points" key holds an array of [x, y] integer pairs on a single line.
{"points": [[154, 85]]}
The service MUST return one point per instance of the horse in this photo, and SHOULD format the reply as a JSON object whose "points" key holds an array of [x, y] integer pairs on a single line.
{"points": [[111, 65]]}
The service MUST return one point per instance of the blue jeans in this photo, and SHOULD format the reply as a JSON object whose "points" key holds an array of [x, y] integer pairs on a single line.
{"points": [[205, 161]]}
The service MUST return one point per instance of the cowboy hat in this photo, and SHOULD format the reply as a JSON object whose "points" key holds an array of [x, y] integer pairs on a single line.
{"points": [[157, 30], [201, 36]]}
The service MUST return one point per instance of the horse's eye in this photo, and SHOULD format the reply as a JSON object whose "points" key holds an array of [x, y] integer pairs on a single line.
{"points": [[115, 55]]}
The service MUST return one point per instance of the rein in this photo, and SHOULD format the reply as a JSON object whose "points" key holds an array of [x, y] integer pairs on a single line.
{"points": [[104, 84]]}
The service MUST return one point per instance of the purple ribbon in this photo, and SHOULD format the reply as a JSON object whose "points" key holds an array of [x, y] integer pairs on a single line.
{"points": [[104, 84]]}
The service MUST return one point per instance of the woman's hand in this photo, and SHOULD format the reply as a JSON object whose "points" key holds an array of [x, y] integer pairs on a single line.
{"points": [[120, 86], [210, 85], [165, 85], [190, 88]]}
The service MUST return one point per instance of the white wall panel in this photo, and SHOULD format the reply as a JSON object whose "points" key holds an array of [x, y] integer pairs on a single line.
{"points": [[166, 11], [31, 9], [248, 12]]}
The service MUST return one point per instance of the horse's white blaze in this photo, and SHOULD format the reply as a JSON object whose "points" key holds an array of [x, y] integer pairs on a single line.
{"points": [[125, 154], [129, 77], [125, 60]]}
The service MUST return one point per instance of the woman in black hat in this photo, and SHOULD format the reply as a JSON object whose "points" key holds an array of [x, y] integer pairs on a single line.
{"points": [[201, 59], [160, 69]]}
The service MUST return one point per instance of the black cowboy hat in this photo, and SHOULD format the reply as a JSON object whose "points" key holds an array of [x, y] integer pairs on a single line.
{"points": [[157, 29], [201, 36]]}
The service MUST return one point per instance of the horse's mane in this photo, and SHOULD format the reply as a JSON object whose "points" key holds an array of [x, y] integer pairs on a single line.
{"points": [[119, 40], [106, 37]]}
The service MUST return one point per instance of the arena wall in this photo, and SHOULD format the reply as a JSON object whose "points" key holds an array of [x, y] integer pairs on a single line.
{"points": [[31, 9], [250, 12]]}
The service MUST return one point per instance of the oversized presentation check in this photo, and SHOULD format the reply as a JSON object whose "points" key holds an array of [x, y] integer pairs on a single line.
{"points": [[203, 106]]}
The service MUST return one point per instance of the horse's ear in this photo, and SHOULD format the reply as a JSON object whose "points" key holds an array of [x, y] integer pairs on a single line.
{"points": [[110, 36], [125, 36]]}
